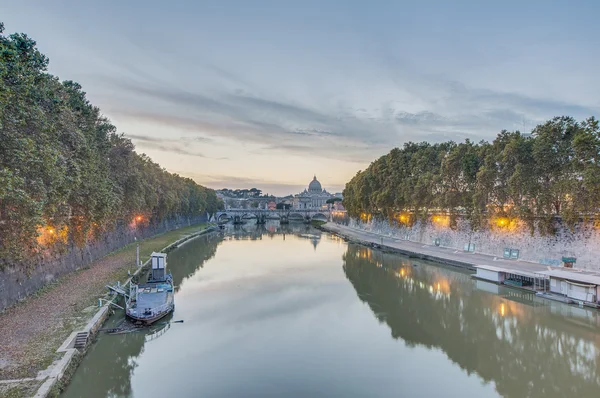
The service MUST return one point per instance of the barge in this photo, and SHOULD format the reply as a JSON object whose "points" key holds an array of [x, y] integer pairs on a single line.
{"points": [[151, 301], [567, 285]]}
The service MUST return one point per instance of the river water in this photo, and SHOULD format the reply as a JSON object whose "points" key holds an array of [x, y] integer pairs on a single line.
{"points": [[293, 312]]}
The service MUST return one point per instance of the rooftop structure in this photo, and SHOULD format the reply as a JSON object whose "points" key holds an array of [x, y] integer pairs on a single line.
{"points": [[315, 197]]}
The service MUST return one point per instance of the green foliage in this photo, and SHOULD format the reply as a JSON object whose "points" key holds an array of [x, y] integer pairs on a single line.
{"points": [[64, 167], [554, 172]]}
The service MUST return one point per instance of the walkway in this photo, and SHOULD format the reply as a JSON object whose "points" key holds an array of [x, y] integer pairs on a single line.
{"points": [[438, 254]]}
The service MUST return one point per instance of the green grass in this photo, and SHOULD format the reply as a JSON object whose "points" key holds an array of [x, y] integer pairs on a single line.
{"points": [[155, 243], [20, 390]]}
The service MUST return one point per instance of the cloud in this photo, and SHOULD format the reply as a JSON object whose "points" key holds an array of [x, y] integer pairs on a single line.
{"points": [[198, 139], [172, 149], [450, 110], [249, 118], [272, 136], [476, 112], [177, 146], [312, 132], [144, 138]]}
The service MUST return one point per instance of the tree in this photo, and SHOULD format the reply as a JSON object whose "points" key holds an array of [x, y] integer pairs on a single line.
{"points": [[66, 175], [553, 172]]}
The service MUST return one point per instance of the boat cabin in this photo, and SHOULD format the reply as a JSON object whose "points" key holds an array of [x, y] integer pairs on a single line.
{"points": [[159, 266], [576, 285]]}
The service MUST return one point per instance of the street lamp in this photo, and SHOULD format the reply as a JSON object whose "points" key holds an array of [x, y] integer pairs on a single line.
{"points": [[137, 252]]}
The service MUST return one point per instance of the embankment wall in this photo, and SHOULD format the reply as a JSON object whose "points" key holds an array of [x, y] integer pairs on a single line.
{"points": [[582, 242]]}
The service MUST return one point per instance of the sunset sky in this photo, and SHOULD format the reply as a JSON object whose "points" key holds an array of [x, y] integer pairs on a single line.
{"points": [[265, 94]]}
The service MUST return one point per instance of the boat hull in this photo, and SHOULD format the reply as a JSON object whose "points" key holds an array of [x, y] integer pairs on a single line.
{"points": [[150, 320]]}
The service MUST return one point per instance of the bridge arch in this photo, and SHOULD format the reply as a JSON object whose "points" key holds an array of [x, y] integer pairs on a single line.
{"points": [[296, 216], [224, 216], [319, 217]]}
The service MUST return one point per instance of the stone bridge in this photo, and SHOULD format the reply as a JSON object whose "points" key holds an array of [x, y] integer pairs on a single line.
{"points": [[239, 216]]}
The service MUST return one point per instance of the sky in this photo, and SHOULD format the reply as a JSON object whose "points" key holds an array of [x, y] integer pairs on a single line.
{"points": [[266, 94]]}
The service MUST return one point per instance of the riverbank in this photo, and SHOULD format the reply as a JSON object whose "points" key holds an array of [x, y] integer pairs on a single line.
{"points": [[438, 254], [32, 331]]}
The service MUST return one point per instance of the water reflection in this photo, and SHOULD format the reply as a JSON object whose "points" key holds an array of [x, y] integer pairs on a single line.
{"points": [[112, 360], [121, 352], [526, 346], [272, 311]]}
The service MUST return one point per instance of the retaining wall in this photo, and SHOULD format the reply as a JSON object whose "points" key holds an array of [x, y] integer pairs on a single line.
{"points": [[583, 242]]}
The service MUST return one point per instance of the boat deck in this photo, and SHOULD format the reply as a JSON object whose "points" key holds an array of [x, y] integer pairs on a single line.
{"points": [[152, 299], [152, 296]]}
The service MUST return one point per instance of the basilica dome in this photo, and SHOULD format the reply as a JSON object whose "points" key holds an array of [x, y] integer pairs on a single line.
{"points": [[315, 186]]}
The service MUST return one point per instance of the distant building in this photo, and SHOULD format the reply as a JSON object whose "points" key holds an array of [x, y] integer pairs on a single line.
{"points": [[315, 197], [272, 205], [338, 206]]}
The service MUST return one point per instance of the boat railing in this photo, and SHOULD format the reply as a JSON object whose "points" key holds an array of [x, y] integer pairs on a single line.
{"points": [[157, 310]]}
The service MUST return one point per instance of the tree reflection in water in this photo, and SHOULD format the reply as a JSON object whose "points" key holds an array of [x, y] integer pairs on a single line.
{"points": [[122, 351], [513, 339]]}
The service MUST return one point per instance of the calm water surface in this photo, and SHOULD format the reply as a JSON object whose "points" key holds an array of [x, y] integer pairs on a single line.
{"points": [[292, 312]]}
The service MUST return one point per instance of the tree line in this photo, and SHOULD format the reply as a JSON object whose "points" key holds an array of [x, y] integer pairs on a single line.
{"points": [[552, 173], [243, 193], [65, 172]]}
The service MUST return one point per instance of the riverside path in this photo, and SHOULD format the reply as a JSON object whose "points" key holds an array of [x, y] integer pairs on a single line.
{"points": [[443, 255]]}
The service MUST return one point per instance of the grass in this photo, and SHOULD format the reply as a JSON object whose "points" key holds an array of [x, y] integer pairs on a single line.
{"points": [[19, 390], [156, 243]]}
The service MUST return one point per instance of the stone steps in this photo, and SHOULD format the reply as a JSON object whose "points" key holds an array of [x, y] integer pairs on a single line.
{"points": [[81, 340]]}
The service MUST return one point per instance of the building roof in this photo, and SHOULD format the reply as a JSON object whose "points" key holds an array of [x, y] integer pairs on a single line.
{"points": [[315, 185], [513, 271], [577, 276]]}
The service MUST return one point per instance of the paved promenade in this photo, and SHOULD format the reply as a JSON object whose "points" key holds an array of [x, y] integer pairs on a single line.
{"points": [[438, 254]]}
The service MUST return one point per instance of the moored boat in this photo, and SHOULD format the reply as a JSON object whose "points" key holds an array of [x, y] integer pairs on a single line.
{"points": [[151, 301]]}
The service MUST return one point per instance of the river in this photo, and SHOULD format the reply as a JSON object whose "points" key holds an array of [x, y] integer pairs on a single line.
{"points": [[292, 312]]}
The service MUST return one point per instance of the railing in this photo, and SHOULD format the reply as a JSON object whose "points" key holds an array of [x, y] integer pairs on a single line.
{"points": [[157, 334], [141, 312], [162, 308]]}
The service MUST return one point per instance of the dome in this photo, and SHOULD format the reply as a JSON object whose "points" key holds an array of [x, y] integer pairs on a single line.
{"points": [[315, 185]]}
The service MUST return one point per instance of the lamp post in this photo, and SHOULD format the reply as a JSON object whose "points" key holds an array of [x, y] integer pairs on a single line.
{"points": [[137, 252]]}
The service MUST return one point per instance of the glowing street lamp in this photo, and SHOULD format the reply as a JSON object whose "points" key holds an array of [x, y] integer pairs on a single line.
{"points": [[502, 222]]}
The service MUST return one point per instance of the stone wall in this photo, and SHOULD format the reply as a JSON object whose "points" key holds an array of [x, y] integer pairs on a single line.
{"points": [[582, 243], [16, 284]]}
